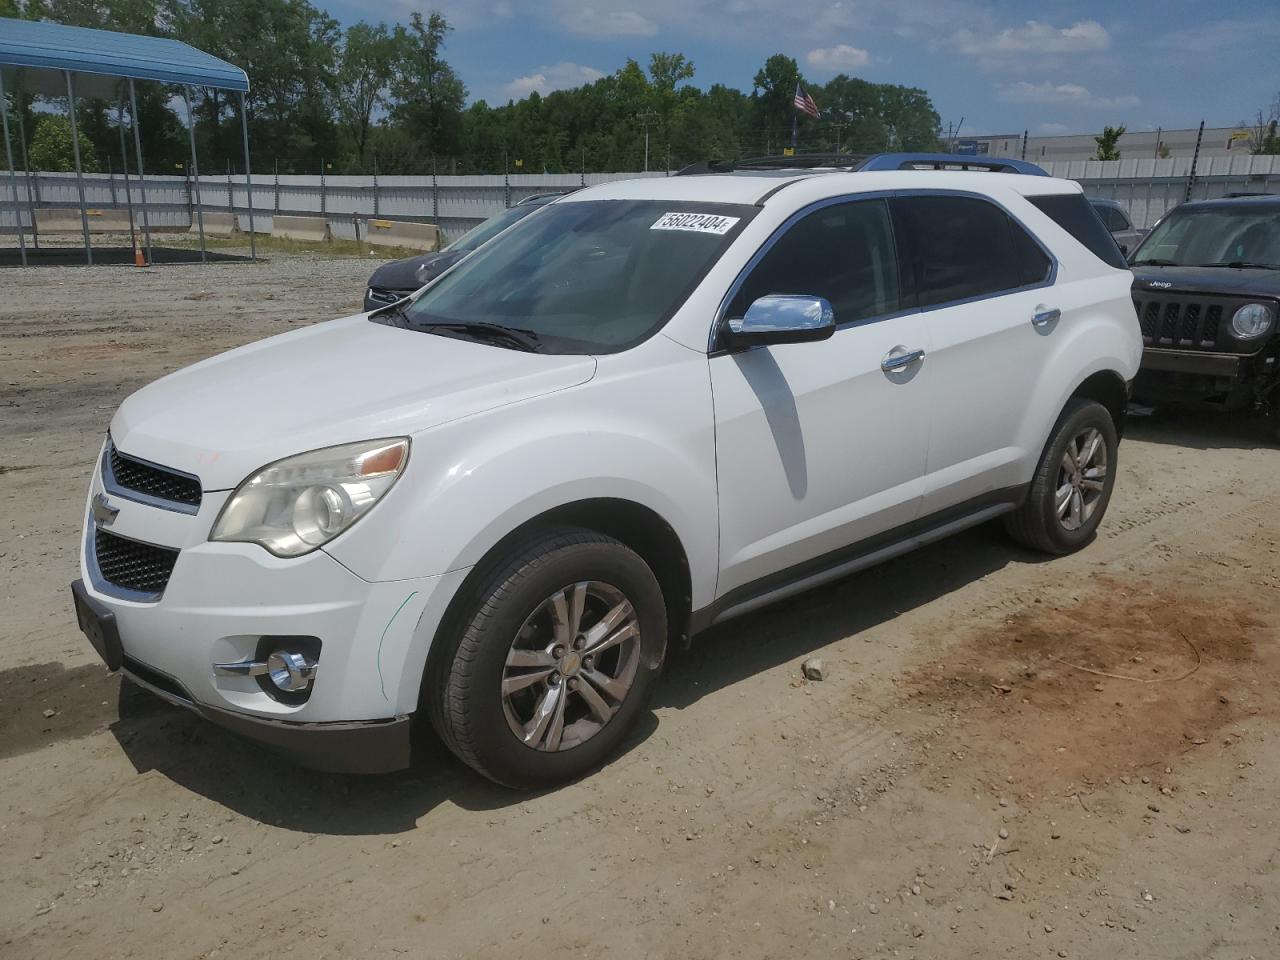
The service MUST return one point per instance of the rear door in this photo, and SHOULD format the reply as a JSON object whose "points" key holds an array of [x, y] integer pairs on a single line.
{"points": [[817, 445], [985, 286]]}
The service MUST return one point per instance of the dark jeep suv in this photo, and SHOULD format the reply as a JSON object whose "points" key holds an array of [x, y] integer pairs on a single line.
{"points": [[1207, 293]]}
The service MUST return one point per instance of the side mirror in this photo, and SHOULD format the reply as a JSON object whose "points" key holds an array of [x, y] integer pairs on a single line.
{"points": [[782, 318]]}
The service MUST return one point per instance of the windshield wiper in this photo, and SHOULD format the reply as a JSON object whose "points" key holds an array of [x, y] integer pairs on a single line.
{"points": [[491, 332], [1154, 263], [1243, 265]]}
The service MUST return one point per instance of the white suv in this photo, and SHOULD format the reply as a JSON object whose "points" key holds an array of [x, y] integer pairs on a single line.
{"points": [[655, 405]]}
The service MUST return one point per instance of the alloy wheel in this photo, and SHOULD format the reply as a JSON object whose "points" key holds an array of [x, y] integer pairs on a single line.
{"points": [[571, 666], [1082, 479]]}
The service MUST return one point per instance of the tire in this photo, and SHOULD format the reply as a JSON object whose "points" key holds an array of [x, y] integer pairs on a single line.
{"points": [[1037, 523], [507, 632]]}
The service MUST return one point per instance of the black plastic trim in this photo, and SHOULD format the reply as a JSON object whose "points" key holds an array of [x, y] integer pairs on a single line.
{"points": [[364, 746], [848, 560]]}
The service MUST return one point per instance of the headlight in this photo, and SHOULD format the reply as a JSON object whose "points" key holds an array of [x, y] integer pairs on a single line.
{"points": [[1252, 320], [295, 505]]}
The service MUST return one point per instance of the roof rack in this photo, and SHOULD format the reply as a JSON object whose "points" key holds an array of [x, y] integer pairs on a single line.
{"points": [[951, 161], [803, 161], [881, 161]]}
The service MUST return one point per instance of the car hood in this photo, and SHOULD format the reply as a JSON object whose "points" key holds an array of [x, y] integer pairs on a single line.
{"points": [[1264, 283], [336, 382], [405, 274]]}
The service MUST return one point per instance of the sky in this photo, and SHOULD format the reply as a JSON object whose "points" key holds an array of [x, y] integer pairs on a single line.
{"points": [[1000, 67]]}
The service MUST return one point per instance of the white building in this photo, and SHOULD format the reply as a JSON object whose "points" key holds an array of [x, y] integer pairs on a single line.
{"points": [[1135, 144]]}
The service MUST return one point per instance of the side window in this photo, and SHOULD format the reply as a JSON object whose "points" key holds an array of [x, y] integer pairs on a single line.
{"points": [[1120, 220], [1033, 263], [1072, 212], [844, 253], [963, 247]]}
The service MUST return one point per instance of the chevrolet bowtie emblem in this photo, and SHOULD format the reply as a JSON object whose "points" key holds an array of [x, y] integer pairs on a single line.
{"points": [[104, 514]]}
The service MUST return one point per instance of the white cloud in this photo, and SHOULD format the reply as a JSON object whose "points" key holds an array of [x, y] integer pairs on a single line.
{"points": [[1034, 37], [609, 23], [840, 57], [1065, 93], [560, 76]]}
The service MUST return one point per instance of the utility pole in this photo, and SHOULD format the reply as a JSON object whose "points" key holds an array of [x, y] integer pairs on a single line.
{"points": [[646, 117], [839, 125]]}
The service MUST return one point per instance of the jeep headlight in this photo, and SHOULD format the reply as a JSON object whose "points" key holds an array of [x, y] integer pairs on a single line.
{"points": [[295, 505], [1252, 320]]}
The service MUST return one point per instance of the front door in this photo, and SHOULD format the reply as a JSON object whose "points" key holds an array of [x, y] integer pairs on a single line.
{"points": [[818, 445]]}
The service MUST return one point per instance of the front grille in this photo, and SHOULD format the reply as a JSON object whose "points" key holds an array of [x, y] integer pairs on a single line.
{"points": [[152, 480], [1188, 321], [132, 565]]}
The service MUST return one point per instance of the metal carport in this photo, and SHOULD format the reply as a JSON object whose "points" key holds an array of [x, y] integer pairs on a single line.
{"points": [[56, 60]]}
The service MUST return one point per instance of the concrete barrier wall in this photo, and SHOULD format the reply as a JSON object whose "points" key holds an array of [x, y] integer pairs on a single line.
{"points": [[217, 224], [315, 229], [403, 233]]}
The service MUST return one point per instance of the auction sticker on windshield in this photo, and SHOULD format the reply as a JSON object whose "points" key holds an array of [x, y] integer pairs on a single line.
{"points": [[695, 223]]}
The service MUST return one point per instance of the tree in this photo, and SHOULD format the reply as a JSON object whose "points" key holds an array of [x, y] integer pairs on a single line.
{"points": [[773, 98], [287, 48], [427, 94], [1262, 132], [669, 70], [1107, 143], [364, 74], [52, 149]]}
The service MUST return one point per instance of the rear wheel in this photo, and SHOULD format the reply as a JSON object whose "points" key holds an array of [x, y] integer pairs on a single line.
{"points": [[1072, 484], [558, 652]]}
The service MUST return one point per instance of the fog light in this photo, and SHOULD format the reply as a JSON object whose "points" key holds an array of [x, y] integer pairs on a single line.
{"points": [[290, 671]]}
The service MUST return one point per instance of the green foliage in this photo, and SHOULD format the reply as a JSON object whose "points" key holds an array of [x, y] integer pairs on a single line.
{"points": [[1107, 149], [51, 147], [366, 65], [386, 96], [427, 94]]}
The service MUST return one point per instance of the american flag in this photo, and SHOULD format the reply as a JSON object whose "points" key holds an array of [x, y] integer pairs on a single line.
{"points": [[804, 103]]}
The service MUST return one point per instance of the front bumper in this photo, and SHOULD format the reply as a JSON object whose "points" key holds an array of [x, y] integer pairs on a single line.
{"points": [[375, 746], [223, 598], [1187, 361]]}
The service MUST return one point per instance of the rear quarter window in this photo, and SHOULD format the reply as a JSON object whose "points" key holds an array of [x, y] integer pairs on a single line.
{"points": [[1076, 215]]}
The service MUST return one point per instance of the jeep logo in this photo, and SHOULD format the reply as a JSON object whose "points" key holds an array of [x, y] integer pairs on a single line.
{"points": [[1159, 284]]}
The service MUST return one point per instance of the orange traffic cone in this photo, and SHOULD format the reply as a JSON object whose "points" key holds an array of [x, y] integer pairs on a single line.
{"points": [[138, 259]]}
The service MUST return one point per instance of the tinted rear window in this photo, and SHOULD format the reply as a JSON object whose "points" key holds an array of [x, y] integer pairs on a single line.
{"points": [[961, 247], [1074, 214]]}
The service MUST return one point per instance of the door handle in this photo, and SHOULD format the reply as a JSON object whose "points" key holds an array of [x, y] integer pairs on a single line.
{"points": [[896, 361], [1044, 316]]}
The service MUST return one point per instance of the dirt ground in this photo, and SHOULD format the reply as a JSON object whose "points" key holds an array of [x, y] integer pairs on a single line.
{"points": [[1009, 758]]}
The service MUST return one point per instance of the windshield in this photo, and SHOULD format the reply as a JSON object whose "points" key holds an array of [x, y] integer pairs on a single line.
{"points": [[594, 276], [492, 227], [1210, 237]]}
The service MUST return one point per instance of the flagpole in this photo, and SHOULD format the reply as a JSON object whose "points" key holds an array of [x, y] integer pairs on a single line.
{"points": [[794, 118]]}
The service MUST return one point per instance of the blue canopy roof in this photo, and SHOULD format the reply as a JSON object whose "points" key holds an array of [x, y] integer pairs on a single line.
{"points": [[39, 46]]}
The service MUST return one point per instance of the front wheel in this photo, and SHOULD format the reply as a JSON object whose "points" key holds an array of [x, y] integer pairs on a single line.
{"points": [[1072, 484], [557, 653]]}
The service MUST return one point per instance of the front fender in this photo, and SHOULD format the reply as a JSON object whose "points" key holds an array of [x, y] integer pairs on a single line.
{"points": [[640, 430]]}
